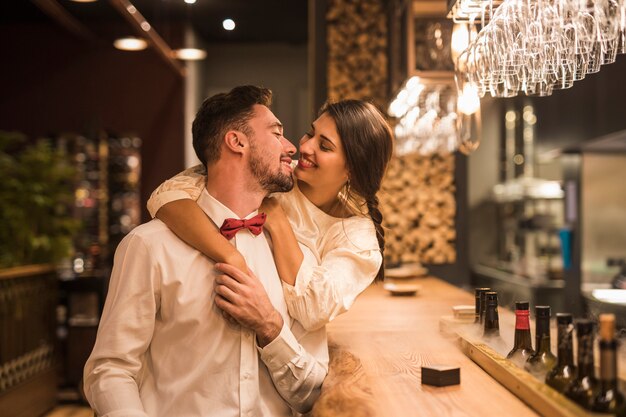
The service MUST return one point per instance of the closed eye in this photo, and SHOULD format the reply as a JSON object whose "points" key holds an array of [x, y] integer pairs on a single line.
{"points": [[326, 145]]}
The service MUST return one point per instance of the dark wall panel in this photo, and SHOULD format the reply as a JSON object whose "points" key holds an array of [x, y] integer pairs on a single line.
{"points": [[593, 107], [53, 82]]}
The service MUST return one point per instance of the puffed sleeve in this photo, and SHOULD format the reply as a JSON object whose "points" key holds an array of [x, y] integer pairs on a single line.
{"points": [[186, 184], [350, 260]]}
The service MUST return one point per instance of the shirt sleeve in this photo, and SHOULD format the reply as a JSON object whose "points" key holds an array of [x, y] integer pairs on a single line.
{"points": [[350, 260], [186, 184], [296, 373], [124, 333]]}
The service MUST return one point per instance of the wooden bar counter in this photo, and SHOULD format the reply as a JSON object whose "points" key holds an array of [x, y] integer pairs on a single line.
{"points": [[378, 348]]}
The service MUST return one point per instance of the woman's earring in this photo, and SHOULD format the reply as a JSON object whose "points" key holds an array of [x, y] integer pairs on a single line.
{"points": [[346, 191]]}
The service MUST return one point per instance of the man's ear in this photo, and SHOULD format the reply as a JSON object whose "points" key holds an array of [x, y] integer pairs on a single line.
{"points": [[236, 141]]}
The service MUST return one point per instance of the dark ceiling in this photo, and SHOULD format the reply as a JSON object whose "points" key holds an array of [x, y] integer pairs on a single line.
{"points": [[256, 20]]}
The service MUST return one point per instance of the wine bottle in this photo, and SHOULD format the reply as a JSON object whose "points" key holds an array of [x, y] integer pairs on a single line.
{"points": [[478, 292], [585, 387], [492, 322], [608, 399], [564, 373], [522, 344], [483, 306], [543, 360]]}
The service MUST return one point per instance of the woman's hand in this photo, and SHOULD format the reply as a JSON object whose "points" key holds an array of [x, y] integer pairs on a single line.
{"points": [[275, 214]]}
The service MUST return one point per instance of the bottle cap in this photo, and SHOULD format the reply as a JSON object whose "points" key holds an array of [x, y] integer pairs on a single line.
{"points": [[477, 291], [607, 327], [584, 326], [522, 305], [542, 311], [563, 318]]}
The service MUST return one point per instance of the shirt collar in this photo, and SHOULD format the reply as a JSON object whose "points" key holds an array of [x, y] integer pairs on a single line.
{"points": [[217, 211]]}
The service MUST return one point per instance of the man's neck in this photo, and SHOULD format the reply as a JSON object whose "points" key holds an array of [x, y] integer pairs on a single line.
{"points": [[233, 187]]}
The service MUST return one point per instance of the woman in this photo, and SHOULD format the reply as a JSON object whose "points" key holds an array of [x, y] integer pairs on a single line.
{"points": [[332, 211]]}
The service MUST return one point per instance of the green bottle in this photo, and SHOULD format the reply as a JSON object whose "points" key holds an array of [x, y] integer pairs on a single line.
{"points": [[492, 321], [478, 294], [543, 360], [483, 306], [522, 344], [585, 387], [608, 399], [564, 373]]}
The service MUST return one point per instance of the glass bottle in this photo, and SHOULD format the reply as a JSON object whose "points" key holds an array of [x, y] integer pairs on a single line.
{"points": [[522, 344], [608, 399], [584, 388], [492, 322], [564, 373], [478, 293], [483, 306], [543, 360]]}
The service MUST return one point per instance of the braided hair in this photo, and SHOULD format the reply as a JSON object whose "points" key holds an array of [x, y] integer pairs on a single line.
{"points": [[367, 142]]}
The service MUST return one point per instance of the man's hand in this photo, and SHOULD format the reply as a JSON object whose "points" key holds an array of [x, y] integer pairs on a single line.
{"points": [[243, 297]]}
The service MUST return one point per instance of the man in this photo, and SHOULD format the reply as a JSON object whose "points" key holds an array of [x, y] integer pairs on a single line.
{"points": [[166, 345]]}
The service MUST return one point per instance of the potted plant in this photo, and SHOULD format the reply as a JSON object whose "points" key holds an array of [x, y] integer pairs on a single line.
{"points": [[35, 199], [36, 229]]}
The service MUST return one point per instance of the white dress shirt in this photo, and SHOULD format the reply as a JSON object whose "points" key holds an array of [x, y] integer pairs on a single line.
{"points": [[164, 349], [341, 256]]}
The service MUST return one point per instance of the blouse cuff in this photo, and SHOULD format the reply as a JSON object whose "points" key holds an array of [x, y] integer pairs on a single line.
{"points": [[280, 351], [303, 279], [159, 200], [125, 413]]}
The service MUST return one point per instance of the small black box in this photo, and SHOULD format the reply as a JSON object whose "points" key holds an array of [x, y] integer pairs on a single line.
{"points": [[441, 375]]}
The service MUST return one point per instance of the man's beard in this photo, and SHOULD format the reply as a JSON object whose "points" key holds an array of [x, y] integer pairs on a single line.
{"points": [[277, 182]]}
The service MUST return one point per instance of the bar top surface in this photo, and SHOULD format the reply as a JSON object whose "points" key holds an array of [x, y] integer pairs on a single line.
{"points": [[378, 348]]}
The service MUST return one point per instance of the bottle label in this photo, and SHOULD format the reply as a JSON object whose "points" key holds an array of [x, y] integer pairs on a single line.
{"points": [[522, 321]]}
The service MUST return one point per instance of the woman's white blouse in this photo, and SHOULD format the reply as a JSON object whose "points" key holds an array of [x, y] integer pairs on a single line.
{"points": [[341, 256]]}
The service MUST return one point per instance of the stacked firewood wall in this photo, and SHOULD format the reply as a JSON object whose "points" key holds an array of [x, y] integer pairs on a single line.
{"points": [[357, 50], [417, 197], [418, 205]]}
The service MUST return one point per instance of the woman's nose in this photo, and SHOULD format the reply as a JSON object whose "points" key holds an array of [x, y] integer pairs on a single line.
{"points": [[305, 144]]}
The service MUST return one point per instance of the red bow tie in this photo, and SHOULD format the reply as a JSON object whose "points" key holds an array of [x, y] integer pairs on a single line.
{"points": [[230, 227]]}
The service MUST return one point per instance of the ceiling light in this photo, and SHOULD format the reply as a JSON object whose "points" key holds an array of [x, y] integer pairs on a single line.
{"points": [[228, 24], [190, 54], [130, 44], [84, 1], [190, 1]]}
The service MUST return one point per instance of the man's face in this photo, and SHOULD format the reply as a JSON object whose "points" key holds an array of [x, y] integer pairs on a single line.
{"points": [[270, 152]]}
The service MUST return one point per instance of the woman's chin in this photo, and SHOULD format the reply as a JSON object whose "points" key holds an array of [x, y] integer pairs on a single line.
{"points": [[299, 176]]}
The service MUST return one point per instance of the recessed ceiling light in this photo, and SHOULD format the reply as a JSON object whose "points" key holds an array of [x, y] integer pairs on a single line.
{"points": [[190, 1], [130, 44], [228, 24], [84, 1], [190, 54]]}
